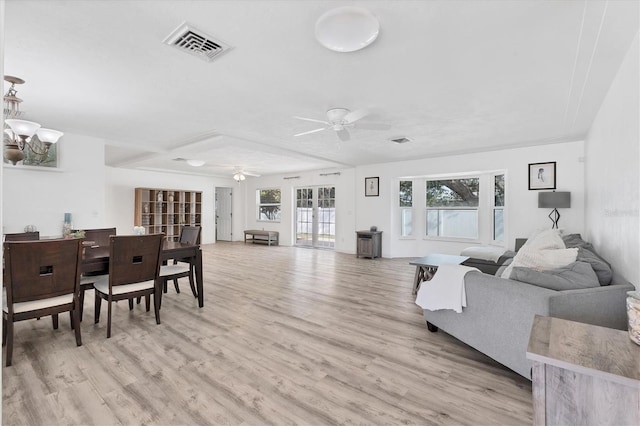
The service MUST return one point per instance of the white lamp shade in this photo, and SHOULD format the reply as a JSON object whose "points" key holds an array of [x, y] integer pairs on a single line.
{"points": [[195, 163], [239, 176], [49, 135], [23, 128], [347, 29]]}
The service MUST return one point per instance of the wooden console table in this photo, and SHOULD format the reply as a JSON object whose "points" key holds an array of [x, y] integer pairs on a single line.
{"points": [[262, 236], [583, 374]]}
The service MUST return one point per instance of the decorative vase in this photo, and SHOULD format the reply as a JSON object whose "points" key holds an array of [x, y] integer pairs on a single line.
{"points": [[633, 313]]}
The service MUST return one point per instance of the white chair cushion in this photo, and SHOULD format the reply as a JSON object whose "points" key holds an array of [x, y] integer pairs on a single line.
{"points": [[102, 285], [87, 280], [167, 270], [36, 304]]}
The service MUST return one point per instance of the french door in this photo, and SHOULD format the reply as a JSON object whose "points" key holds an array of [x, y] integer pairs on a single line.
{"points": [[316, 216]]}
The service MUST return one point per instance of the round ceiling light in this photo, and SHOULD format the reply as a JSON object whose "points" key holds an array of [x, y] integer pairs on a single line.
{"points": [[347, 29], [195, 163]]}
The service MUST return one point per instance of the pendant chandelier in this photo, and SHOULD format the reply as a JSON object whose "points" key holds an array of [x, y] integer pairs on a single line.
{"points": [[21, 136]]}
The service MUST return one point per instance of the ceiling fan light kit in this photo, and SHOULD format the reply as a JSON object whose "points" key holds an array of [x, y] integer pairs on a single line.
{"points": [[347, 29], [195, 163]]}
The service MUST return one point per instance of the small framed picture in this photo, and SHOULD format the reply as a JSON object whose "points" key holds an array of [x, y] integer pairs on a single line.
{"points": [[542, 175], [371, 187]]}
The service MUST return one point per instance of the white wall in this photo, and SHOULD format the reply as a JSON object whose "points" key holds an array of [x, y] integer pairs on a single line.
{"points": [[523, 215], [120, 188], [612, 172], [35, 196], [345, 204]]}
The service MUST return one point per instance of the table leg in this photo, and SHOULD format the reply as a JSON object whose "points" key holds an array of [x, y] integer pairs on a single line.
{"points": [[199, 283], [417, 279], [423, 273]]}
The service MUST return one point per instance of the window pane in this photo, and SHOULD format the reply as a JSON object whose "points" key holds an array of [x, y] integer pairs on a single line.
{"points": [[406, 193], [453, 192], [269, 213], [499, 190], [407, 222], [498, 225], [452, 223], [269, 196]]}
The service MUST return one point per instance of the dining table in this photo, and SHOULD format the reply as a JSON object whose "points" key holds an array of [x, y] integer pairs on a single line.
{"points": [[96, 261]]}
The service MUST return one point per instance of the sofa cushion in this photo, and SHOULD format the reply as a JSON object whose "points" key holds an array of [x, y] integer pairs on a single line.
{"points": [[571, 277], [541, 260], [586, 253]]}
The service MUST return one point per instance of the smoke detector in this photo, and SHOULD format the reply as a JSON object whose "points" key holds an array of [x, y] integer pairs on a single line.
{"points": [[191, 40]]}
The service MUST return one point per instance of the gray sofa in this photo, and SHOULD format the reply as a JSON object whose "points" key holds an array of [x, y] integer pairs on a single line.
{"points": [[499, 314]]}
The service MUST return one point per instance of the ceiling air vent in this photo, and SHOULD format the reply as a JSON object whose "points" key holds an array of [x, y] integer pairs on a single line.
{"points": [[191, 40], [401, 140]]}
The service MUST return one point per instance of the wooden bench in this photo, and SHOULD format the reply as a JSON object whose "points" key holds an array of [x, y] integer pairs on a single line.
{"points": [[261, 236]]}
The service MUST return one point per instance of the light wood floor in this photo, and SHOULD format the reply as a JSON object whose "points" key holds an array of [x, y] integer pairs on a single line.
{"points": [[287, 336]]}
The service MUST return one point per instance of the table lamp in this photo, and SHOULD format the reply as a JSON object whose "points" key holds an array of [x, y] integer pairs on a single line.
{"points": [[554, 200]]}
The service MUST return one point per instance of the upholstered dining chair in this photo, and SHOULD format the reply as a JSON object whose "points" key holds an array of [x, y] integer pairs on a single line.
{"points": [[42, 278], [23, 236], [134, 267], [94, 265], [182, 267]]}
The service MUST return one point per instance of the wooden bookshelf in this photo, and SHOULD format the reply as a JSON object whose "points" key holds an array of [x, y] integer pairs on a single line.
{"points": [[167, 210]]}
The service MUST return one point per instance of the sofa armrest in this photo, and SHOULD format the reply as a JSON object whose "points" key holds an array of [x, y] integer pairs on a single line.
{"points": [[603, 306]]}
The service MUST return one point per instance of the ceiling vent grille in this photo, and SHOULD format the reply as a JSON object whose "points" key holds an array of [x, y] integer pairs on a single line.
{"points": [[401, 140], [189, 39]]}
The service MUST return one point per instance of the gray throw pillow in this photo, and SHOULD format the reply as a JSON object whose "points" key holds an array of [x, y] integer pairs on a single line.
{"points": [[574, 276], [586, 253], [503, 267]]}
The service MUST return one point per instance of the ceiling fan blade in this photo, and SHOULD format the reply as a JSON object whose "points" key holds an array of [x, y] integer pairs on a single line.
{"points": [[372, 126], [250, 174], [312, 119], [343, 135], [356, 115], [310, 131]]}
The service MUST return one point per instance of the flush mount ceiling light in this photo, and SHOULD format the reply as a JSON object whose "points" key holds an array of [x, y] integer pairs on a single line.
{"points": [[195, 163], [347, 29]]}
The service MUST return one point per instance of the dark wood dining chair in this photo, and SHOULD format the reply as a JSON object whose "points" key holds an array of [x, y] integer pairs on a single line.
{"points": [[42, 278], [182, 267], [93, 264], [134, 268], [23, 236]]}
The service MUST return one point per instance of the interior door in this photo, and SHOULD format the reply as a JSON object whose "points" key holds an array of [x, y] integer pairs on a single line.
{"points": [[223, 214], [316, 216]]}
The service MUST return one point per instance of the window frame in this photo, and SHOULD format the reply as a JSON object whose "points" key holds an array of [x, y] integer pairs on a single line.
{"points": [[402, 209], [502, 208], [259, 205], [477, 208]]}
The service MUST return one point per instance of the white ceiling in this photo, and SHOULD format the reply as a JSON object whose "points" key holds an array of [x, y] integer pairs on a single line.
{"points": [[454, 76]]}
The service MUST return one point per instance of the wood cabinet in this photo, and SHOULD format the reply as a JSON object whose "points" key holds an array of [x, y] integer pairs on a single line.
{"points": [[583, 374], [369, 244], [166, 210]]}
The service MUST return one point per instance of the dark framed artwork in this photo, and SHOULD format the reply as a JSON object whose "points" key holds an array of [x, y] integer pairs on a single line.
{"points": [[542, 175], [371, 186]]}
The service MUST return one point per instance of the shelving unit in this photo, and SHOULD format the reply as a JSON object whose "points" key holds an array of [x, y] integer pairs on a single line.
{"points": [[166, 210]]}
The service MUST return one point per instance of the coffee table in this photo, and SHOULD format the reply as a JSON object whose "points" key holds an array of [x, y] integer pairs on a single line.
{"points": [[428, 265]]}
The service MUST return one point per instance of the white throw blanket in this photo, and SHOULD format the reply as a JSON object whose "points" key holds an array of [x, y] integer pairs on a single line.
{"points": [[445, 290]]}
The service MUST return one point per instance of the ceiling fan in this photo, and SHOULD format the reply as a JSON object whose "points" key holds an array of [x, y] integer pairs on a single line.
{"points": [[240, 175], [339, 119]]}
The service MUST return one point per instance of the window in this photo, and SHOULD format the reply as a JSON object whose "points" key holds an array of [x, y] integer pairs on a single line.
{"points": [[268, 201], [452, 208], [406, 207], [498, 208]]}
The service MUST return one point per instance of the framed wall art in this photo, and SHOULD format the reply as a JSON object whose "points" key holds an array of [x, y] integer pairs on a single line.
{"points": [[542, 175], [371, 187]]}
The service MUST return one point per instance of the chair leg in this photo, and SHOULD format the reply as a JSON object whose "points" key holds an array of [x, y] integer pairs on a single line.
{"points": [[71, 319], [54, 319], [9, 341], [75, 321], [81, 302], [147, 302], [4, 331], [192, 283], [139, 299], [131, 304], [156, 306], [175, 284], [109, 319], [164, 286], [96, 314]]}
